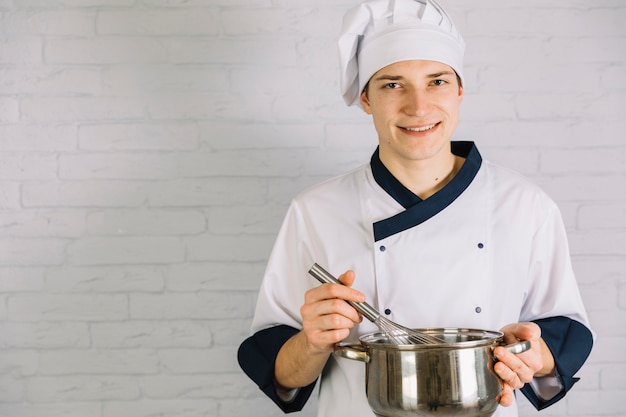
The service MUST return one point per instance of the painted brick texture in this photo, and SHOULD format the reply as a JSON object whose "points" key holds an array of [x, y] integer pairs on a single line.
{"points": [[149, 150]]}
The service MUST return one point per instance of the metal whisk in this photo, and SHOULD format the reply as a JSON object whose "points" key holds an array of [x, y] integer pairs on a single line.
{"points": [[396, 333]]}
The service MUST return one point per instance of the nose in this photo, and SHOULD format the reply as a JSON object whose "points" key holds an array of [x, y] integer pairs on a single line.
{"points": [[416, 102]]}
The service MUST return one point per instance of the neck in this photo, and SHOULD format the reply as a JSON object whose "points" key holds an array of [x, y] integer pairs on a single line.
{"points": [[424, 177]]}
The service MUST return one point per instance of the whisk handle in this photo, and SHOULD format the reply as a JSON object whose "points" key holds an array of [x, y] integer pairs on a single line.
{"points": [[325, 277]]}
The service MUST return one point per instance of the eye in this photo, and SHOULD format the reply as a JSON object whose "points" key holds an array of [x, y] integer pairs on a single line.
{"points": [[391, 85], [439, 82]]}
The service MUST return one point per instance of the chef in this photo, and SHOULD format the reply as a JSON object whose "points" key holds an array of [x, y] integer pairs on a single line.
{"points": [[427, 232]]}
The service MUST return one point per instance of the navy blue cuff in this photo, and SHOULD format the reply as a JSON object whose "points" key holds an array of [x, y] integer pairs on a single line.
{"points": [[257, 355], [570, 343]]}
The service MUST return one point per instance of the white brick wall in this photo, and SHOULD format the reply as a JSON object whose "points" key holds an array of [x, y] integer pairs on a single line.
{"points": [[149, 148]]}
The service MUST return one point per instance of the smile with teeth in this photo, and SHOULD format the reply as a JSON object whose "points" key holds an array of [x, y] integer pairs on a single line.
{"points": [[420, 129]]}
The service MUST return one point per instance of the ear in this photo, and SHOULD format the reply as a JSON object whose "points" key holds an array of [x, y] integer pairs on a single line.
{"points": [[461, 91], [365, 102]]}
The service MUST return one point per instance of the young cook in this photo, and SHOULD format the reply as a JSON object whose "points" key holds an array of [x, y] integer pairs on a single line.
{"points": [[427, 232]]}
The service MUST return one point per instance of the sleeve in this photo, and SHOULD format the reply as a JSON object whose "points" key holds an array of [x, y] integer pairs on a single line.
{"points": [[256, 357], [277, 312], [553, 302], [570, 343]]}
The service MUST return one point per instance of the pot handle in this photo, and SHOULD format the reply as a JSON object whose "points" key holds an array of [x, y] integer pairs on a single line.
{"points": [[354, 352], [516, 348]]}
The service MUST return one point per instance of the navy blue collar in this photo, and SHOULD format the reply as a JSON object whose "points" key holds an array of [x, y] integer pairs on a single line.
{"points": [[417, 210]]}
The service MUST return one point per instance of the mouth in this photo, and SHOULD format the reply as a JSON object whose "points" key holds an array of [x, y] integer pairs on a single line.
{"points": [[421, 129]]}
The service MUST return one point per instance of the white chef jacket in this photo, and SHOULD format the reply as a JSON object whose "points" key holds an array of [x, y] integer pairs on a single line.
{"points": [[496, 254]]}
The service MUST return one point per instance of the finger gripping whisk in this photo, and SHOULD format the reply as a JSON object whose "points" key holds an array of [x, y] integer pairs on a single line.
{"points": [[396, 333]]}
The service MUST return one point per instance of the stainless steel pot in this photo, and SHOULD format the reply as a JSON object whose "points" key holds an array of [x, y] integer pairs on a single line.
{"points": [[454, 378]]}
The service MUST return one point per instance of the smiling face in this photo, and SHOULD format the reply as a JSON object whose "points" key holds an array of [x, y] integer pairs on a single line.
{"points": [[415, 109]]}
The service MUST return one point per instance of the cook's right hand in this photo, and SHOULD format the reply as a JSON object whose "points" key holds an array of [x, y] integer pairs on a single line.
{"points": [[326, 317]]}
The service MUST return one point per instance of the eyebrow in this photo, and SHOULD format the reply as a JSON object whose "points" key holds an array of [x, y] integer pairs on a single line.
{"points": [[439, 74], [388, 78]]}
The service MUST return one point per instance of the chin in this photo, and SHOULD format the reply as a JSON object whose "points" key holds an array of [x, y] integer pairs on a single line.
{"points": [[424, 151]]}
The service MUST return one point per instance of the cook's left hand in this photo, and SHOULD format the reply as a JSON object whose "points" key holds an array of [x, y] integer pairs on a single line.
{"points": [[516, 370]]}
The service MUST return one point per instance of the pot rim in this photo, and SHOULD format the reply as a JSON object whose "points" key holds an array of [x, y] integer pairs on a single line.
{"points": [[478, 338]]}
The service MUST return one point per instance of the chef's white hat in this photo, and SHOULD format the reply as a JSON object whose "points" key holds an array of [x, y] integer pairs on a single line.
{"points": [[378, 33]]}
